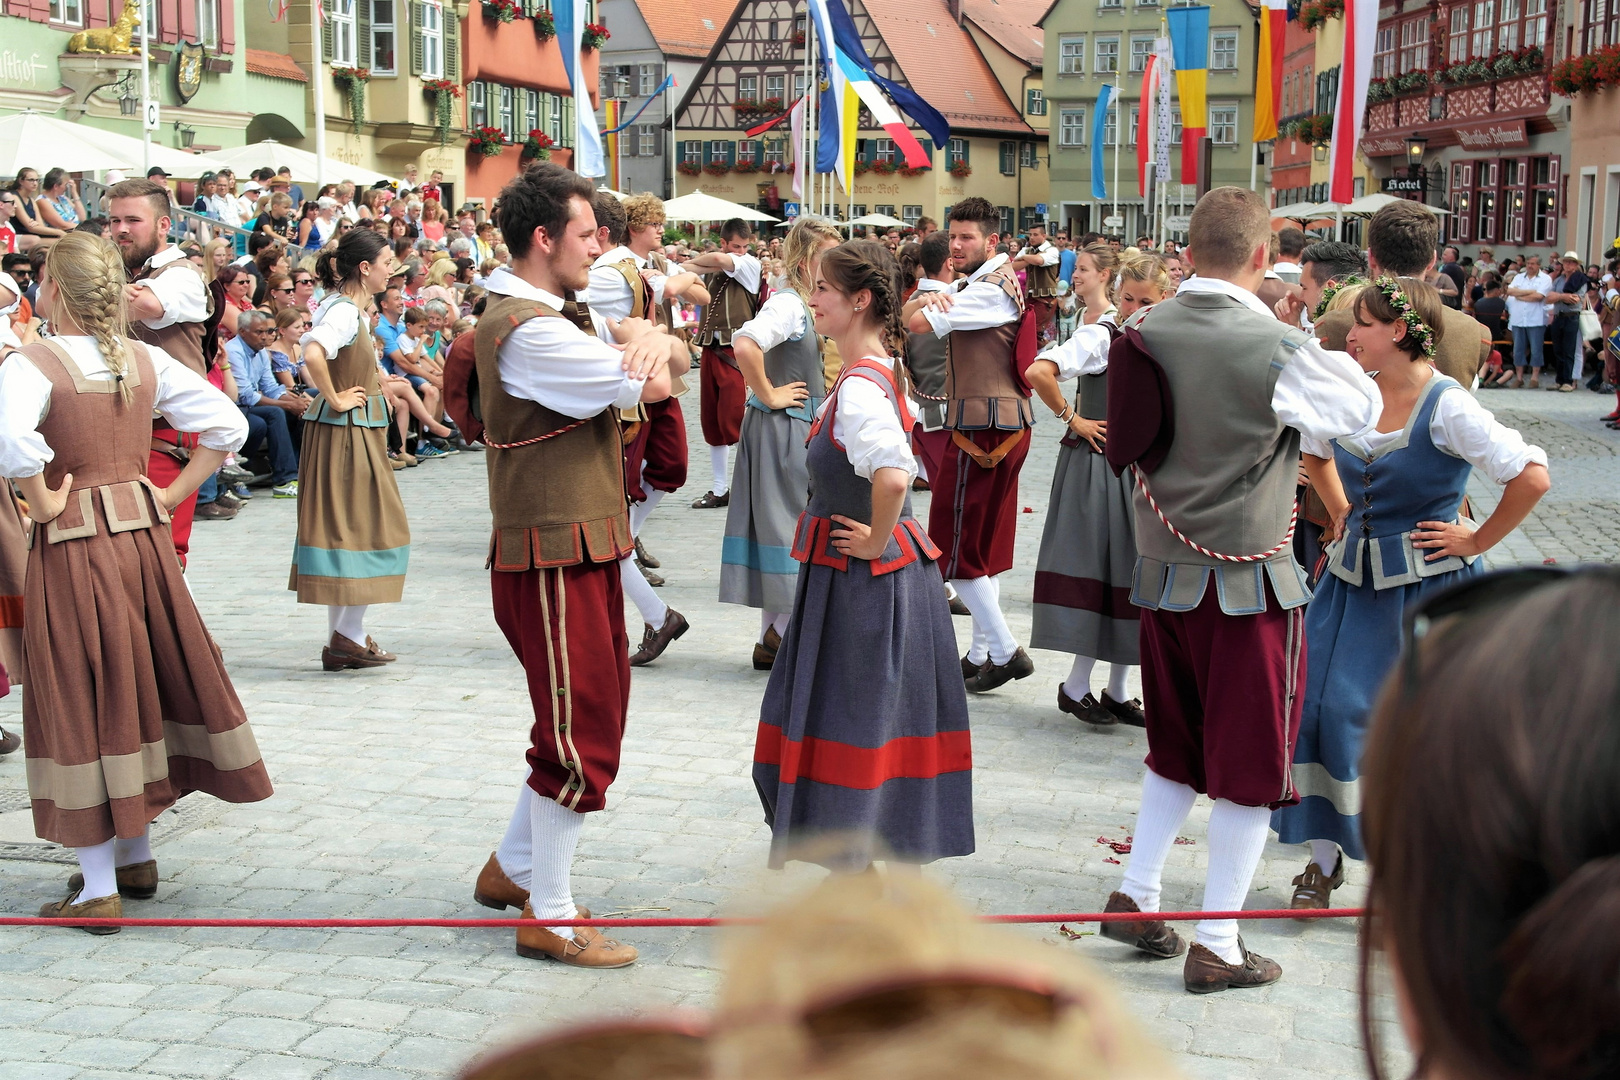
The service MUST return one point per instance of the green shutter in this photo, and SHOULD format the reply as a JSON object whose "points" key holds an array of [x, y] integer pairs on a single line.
{"points": [[452, 44], [927, 147], [326, 31], [966, 146], [568, 121], [362, 34], [418, 46]]}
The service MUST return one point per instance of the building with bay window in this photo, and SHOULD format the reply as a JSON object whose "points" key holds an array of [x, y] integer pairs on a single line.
{"points": [[1592, 208], [977, 61]]}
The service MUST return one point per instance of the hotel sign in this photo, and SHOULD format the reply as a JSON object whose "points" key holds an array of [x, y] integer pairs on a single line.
{"points": [[1496, 135]]}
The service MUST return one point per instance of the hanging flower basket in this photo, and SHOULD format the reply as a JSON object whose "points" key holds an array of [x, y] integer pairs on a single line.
{"points": [[686, 168], [353, 81], [545, 25], [907, 170], [959, 169], [798, 39], [501, 10], [1315, 15], [746, 166], [537, 147], [595, 36], [717, 168], [885, 168], [489, 141], [1588, 74], [443, 94]]}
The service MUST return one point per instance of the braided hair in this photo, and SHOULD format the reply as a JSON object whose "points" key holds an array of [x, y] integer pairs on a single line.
{"points": [[337, 266], [89, 276], [867, 264], [804, 242]]}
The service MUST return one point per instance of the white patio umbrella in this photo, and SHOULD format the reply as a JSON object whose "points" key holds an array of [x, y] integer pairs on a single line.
{"points": [[34, 140], [881, 221], [180, 163], [1368, 205], [700, 207], [273, 155], [1300, 211]]}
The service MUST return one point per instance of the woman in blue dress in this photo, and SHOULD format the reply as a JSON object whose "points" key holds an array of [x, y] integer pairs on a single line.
{"points": [[1394, 495]]}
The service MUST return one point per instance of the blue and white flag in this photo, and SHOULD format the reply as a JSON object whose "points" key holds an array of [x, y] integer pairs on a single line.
{"points": [[588, 157], [1099, 126]]}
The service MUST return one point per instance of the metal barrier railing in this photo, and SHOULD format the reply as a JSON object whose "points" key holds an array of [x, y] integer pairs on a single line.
{"points": [[183, 224]]}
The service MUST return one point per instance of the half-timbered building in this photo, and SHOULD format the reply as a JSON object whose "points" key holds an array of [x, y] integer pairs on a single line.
{"points": [[979, 78]]}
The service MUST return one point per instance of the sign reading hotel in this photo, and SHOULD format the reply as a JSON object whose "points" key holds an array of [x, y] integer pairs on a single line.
{"points": [[1496, 135]]}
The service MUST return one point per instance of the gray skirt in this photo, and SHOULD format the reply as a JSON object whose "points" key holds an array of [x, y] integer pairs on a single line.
{"points": [[770, 485], [1088, 553]]}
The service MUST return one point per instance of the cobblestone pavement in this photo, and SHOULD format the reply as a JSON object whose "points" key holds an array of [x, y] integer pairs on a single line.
{"points": [[392, 787]]}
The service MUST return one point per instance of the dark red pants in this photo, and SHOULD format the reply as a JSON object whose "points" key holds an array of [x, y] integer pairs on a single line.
{"points": [[973, 518], [162, 469], [930, 447], [1223, 696], [661, 444], [722, 396], [566, 625]]}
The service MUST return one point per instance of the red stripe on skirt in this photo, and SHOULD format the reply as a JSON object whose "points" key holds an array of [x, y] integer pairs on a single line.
{"points": [[1087, 594], [11, 612], [860, 767]]}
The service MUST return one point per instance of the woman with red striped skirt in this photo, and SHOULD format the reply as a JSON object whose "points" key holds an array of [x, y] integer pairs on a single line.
{"points": [[863, 751]]}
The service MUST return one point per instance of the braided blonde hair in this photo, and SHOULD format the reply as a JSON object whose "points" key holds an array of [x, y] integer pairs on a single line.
{"points": [[89, 276], [866, 264], [799, 251]]}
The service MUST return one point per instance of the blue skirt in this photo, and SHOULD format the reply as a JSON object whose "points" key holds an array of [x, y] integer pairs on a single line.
{"points": [[1352, 640]]}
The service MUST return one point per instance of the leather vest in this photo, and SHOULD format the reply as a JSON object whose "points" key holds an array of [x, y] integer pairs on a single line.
{"points": [[183, 341], [558, 500], [730, 305], [1042, 281], [980, 382]]}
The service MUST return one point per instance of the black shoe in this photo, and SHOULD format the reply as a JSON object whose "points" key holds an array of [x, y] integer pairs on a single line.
{"points": [[970, 670], [1087, 708], [645, 560], [9, 741], [655, 641], [992, 675], [1126, 712], [765, 651], [919, 484], [710, 500]]}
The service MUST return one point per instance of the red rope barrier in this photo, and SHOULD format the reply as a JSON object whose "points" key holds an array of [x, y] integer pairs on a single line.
{"points": [[509, 924]]}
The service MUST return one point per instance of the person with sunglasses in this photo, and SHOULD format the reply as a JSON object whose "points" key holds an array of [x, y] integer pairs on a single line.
{"points": [[1394, 495], [26, 221]]}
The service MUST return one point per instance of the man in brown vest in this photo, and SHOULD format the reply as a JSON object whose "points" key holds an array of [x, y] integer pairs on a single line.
{"points": [[548, 391], [1040, 261], [974, 515], [168, 305], [733, 283]]}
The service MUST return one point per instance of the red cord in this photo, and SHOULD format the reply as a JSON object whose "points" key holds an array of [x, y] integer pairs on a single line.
{"points": [[509, 924]]}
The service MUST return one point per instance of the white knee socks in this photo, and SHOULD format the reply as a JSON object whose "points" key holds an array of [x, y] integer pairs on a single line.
{"points": [[516, 853], [982, 596], [1237, 836], [554, 833], [1117, 674], [644, 596], [138, 849], [640, 510], [1078, 684], [1165, 805], [1325, 853], [348, 620], [97, 865], [718, 462]]}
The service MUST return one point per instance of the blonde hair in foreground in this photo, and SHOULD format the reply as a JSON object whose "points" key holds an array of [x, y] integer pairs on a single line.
{"points": [[1146, 267], [89, 277], [799, 250]]}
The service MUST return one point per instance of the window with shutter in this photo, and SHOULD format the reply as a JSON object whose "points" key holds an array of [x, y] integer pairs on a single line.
{"points": [[569, 126], [1009, 158], [415, 31], [362, 32], [328, 38], [431, 33], [384, 38], [477, 109], [452, 49]]}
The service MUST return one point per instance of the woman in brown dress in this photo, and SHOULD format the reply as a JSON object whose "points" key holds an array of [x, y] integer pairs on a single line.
{"points": [[128, 704], [353, 540]]}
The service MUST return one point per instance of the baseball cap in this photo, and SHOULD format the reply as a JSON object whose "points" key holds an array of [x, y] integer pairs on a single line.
{"points": [[156, 171]]}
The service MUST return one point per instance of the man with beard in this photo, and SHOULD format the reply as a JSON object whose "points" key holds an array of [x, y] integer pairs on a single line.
{"points": [[1040, 261], [549, 390], [974, 516], [169, 304], [732, 278]]}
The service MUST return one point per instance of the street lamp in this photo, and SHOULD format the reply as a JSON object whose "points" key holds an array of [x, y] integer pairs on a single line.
{"points": [[187, 135], [1415, 146]]}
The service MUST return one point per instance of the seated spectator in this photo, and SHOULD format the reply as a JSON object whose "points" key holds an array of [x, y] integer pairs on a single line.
{"points": [[216, 256], [438, 329], [238, 285], [286, 351], [433, 220], [26, 222], [1492, 823], [308, 235], [207, 203], [279, 294], [278, 220], [59, 204], [8, 235], [269, 407], [441, 277], [269, 262], [303, 280]]}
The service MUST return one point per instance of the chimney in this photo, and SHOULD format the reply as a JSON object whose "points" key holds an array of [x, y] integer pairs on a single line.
{"points": [[955, 7]]}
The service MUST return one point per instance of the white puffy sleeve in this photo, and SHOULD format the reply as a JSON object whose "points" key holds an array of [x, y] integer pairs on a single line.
{"points": [[780, 318], [869, 430], [190, 402], [336, 325], [1316, 447], [1085, 353], [1464, 428], [183, 295], [980, 305], [25, 395]]}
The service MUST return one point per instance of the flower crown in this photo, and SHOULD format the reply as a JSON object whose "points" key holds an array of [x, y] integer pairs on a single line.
{"points": [[1332, 290], [1416, 329]]}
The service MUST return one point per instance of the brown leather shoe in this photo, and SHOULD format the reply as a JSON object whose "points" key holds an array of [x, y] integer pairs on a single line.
{"points": [[655, 580], [138, 881], [9, 741], [590, 948], [710, 501], [1126, 712], [103, 907], [970, 670], [1313, 889], [1087, 708], [765, 651], [495, 890], [655, 640], [1151, 936], [1206, 973], [992, 675], [342, 653], [647, 561], [959, 608]]}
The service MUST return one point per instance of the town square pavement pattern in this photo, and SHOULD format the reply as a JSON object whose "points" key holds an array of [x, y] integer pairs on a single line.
{"points": [[393, 786]]}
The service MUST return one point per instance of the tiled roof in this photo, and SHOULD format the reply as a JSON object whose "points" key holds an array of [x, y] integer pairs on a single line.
{"points": [[686, 27], [1012, 23], [943, 65], [274, 64]]}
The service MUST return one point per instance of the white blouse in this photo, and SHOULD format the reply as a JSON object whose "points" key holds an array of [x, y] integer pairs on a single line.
{"points": [[868, 429], [1085, 353], [336, 324], [1461, 427], [184, 296], [185, 399], [780, 318]]}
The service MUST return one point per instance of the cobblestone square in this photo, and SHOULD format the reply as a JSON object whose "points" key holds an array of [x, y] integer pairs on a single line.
{"points": [[393, 786]]}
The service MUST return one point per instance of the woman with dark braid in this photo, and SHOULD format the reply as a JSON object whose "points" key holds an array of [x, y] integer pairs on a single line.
{"points": [[863, 750]]}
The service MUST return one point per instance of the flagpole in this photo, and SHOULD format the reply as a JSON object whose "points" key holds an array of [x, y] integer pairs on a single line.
{"points": [[674, 144], [1119, 118], [317, 82]]}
